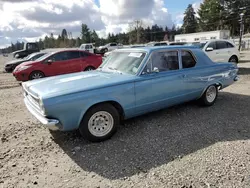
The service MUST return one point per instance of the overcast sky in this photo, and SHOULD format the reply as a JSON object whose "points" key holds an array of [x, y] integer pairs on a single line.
{"points": [[32, 19]]}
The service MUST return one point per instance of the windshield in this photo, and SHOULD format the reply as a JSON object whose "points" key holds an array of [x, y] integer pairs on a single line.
{"points": [[123, 62], [44, 56]]}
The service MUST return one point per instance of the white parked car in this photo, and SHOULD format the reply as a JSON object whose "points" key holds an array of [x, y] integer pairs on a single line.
{"points": [[221, 51], [88, 47], [109, 47]]}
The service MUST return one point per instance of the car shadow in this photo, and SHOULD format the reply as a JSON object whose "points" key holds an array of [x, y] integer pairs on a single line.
{"points": [[158, 138], [244, 71]]}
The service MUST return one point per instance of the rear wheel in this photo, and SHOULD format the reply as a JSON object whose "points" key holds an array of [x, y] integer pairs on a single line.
{"points": [[36, 75], [89, 68], [100, 123], [233, 59], [210, 95]]}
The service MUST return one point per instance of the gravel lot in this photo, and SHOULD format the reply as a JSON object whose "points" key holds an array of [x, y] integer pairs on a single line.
{"points": [[185, 146]]}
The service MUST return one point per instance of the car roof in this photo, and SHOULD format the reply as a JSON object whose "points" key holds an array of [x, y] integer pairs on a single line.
{"points": [[153, 48]]}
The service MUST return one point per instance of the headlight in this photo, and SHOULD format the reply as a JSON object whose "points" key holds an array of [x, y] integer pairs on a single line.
{"points": [[23, 68], [41, 105]]}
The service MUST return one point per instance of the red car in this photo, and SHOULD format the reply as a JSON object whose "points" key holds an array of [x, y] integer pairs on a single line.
{"points": [[57, 63]]}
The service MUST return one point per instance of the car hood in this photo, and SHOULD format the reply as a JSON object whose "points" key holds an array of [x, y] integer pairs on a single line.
{"points": [[13, 62], [27, 63], [76, 82], [23, 50]]}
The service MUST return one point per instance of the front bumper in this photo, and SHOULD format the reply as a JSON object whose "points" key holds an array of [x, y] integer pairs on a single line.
{"points": [[21, 76], [8, 68], [52, 124]]}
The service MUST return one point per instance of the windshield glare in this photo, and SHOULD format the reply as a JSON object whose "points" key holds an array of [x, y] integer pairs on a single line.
{"points": [[123, 62]]}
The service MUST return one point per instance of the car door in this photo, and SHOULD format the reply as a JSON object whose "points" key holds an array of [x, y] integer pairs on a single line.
{"points": [[192, 75], [73, 61], [222, 51], [160, 84], [113, 46], [213, 53], [57, 64]]}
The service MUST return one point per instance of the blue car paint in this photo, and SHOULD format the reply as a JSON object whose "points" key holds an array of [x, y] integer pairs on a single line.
{"points": [[68, 97]]}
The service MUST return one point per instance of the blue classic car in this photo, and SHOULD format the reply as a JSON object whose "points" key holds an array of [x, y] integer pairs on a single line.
{"points": [[130, 82]]}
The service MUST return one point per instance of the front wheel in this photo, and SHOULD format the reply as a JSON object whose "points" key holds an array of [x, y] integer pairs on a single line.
{"points": [[210, 95], [100, 123], [36, 75]]}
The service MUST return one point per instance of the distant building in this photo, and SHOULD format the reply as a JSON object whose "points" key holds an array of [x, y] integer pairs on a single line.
{"points": [[203, 36]]}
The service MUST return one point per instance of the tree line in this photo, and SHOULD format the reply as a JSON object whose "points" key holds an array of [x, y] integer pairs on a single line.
{"points": [[212, 15], [217, 15]]}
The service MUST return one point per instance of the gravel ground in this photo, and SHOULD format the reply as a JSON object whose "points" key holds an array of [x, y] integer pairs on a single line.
{"points": [[185, 146]]}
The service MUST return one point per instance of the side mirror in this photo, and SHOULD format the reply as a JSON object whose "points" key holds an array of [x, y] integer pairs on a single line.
{"points": [[49, 61], [156, 69], [209, 49]]}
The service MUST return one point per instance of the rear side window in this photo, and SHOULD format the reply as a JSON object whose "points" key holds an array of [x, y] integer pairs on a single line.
{"points": [[113, 44], [73, 55], [221, 45], [188, 60], [229, 45], [84, 54]]}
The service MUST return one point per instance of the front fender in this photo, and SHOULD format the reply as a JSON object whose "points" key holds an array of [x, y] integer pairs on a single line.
{"points": [[70, 109]]}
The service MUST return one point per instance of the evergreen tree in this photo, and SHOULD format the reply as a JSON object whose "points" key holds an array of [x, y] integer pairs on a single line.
{"points": [[210, 15], [64, 34], [190, 24], [85, 34]]}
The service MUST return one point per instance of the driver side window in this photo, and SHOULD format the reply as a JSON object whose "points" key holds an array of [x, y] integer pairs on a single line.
{"points": [[61, 56], [162, 62]]}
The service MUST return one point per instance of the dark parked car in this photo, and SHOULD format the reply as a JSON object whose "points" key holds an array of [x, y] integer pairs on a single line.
{"points": [[57, 63], [10, 66], [29, 48]]}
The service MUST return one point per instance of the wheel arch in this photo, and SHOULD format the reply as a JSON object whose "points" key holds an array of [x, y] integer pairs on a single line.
{"points": [[114, 103], [217, 84], [36, 71], [234, 55]]}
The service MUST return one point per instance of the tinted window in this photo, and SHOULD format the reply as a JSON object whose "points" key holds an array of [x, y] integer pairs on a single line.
{"points": [[229, 45], [37, 56], [113, 44], [165, 61], [163, 44], [187, 59], [221, 44], [212, 45], [157, 44], [84, 54], [31, 46], [61, 56], [73, 55]]}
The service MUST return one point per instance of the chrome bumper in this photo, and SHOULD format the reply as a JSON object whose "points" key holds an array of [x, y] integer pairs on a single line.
{"points": [[52, 124]]}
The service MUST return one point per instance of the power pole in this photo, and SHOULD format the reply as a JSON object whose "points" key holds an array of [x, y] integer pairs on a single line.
{"points": [[241, 29]]}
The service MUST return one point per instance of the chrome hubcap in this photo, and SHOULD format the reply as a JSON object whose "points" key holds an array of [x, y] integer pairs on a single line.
{"points": [[211, 94], [100, 123], [37, 76]]}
